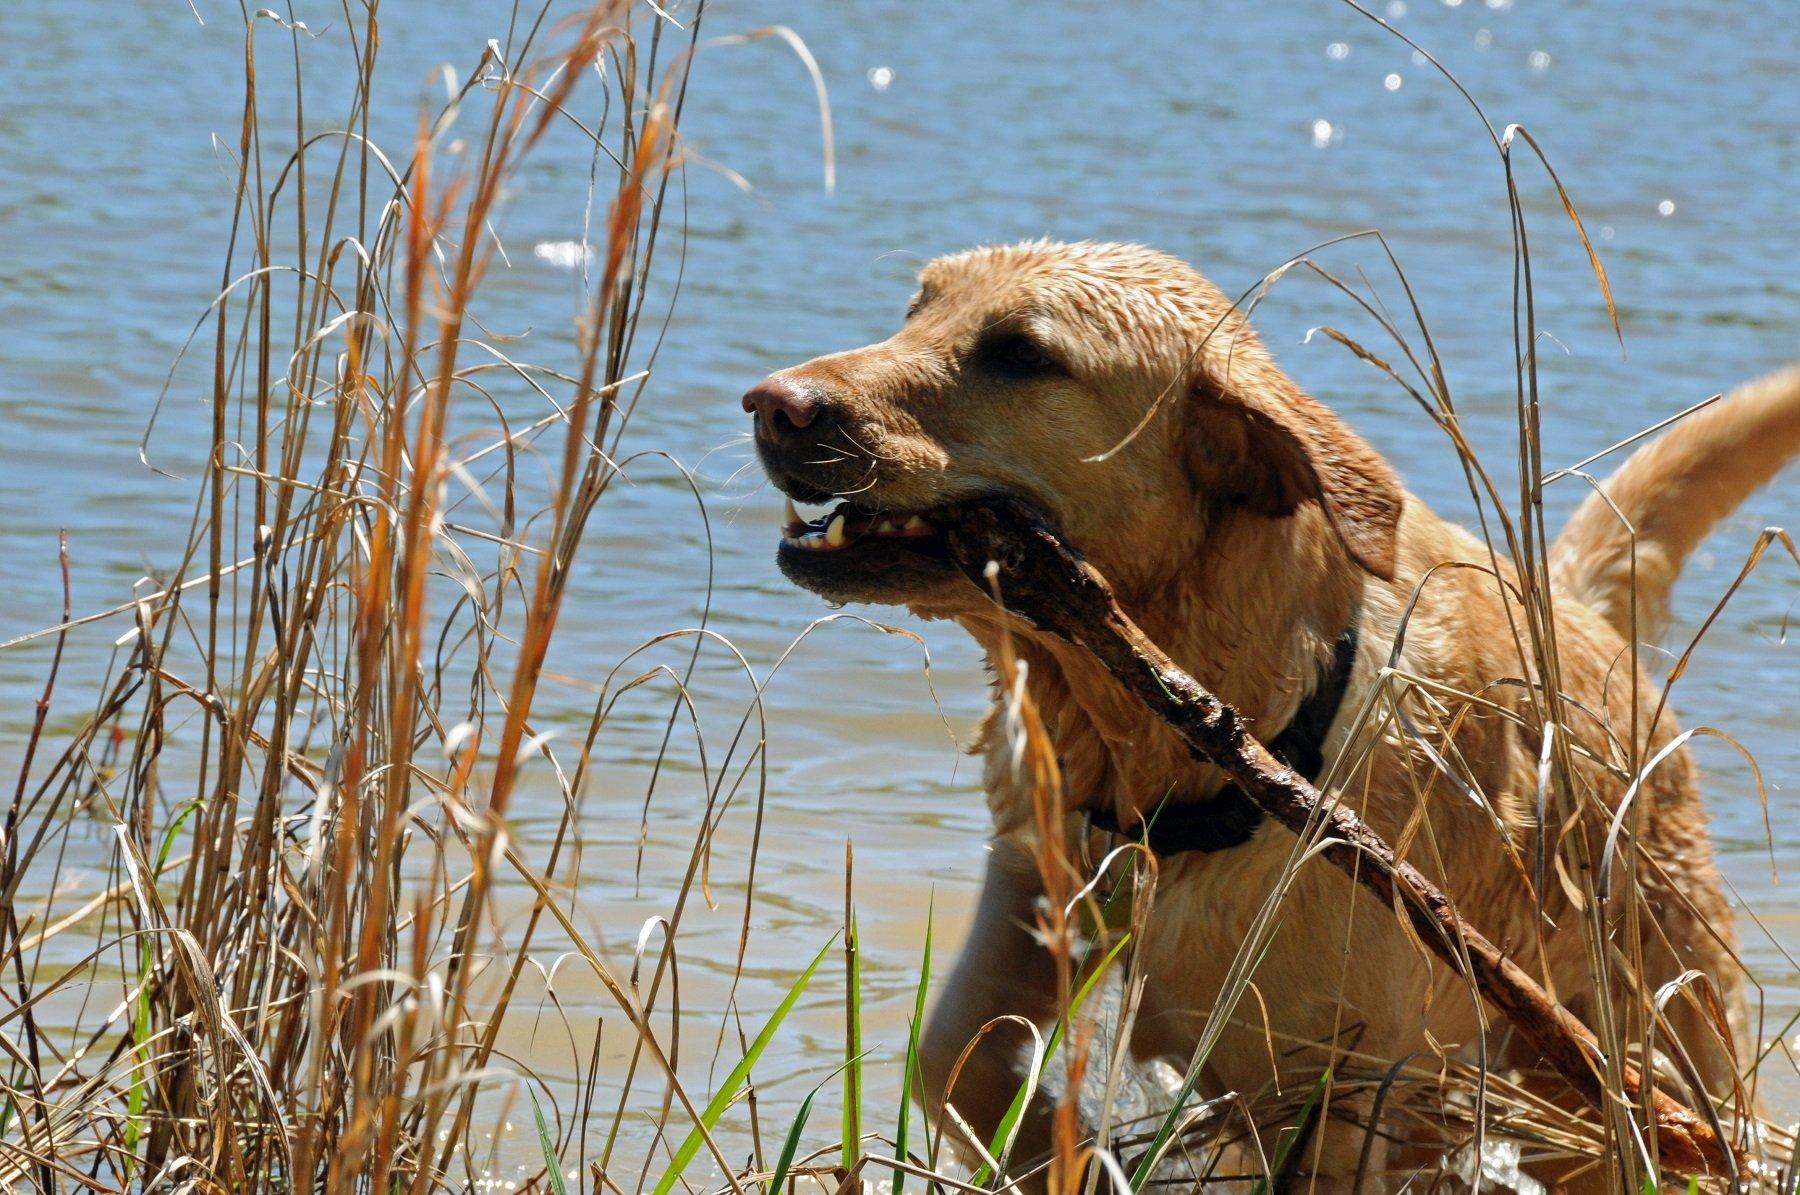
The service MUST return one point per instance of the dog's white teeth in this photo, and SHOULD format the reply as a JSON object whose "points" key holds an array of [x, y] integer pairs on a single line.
{"points": [[793, 515], [885, 527], [834, 532], [913, 523]]}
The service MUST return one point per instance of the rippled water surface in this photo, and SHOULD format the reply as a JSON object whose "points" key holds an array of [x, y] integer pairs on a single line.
{"points": [[1234, 134]]}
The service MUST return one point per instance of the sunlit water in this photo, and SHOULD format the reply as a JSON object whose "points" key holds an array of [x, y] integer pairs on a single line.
{"points": [[1233, 134]]}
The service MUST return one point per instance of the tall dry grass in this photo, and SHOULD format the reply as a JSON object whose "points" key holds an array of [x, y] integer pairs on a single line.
{"points": [[306, 746], [302, 758]]}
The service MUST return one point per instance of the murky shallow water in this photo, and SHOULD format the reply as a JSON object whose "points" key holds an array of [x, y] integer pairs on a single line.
{"points": [[1234, 134]]}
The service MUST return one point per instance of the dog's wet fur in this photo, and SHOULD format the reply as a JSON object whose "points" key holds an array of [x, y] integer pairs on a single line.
{"points": [[1244, 526]]}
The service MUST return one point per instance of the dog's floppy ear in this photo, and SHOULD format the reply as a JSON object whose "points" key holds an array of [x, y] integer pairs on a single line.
{"points": [[1273, 446]]}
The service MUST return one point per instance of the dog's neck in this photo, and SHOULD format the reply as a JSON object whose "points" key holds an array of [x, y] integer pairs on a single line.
{"points": [[1252, 614]]}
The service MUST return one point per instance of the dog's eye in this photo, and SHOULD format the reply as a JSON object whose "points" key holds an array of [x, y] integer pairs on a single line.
{"points": [[1023, 353], [1018, 354]]}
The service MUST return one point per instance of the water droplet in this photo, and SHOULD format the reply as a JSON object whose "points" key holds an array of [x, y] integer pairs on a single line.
{"points": [[1419, 58], [881, 77], [1483, 39], [1324, 133], [1452, 3], [1337, 51], [1666, 208], [1392, 82], [1539, 60], [1396, 9], [1606, 232], [1499, 5]]}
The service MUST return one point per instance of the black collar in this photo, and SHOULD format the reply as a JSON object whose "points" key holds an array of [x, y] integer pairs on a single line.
{"points": [[1230, 817]]}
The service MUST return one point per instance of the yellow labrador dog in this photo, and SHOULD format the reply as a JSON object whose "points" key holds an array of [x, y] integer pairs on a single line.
{"points": [[1276, 556]]}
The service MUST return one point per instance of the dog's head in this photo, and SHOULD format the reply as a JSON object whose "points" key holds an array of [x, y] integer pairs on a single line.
{"points": [[1109, 385]]}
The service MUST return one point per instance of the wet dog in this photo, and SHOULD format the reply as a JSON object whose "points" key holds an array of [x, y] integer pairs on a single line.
{"points": [[1254, 535]]}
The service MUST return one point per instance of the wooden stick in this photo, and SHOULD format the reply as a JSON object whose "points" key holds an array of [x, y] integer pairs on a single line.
{"points": [[1047, 582]]}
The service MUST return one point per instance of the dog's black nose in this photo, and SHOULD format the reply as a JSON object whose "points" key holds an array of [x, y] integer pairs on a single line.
{"points": [[782, 407]]}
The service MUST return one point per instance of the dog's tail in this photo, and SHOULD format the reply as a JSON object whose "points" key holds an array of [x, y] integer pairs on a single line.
{"points": [[1672, 491]]}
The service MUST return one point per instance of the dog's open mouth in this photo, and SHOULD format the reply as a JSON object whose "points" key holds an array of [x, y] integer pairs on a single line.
{"points": [[853, 553], [847, 527]]}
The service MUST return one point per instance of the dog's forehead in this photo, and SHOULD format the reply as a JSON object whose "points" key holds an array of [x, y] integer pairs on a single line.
{"points": [[1103, 283], [1033, 267]]}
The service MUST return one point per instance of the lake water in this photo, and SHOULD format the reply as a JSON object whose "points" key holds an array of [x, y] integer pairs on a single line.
{"points": [[1234, 134]]}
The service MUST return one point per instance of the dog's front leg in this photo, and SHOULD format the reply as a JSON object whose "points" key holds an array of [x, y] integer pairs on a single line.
{"points": [[1004, 970]]}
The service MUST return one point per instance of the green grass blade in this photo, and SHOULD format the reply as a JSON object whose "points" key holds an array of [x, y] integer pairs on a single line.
{"points": [[140, 1020], [552, 1166], [910, 1076], [1164, 1131], [1291, 1135], [1167, 1128], [786, 1160], [1023, 1096], [853, 1050], [715, 1108]]}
